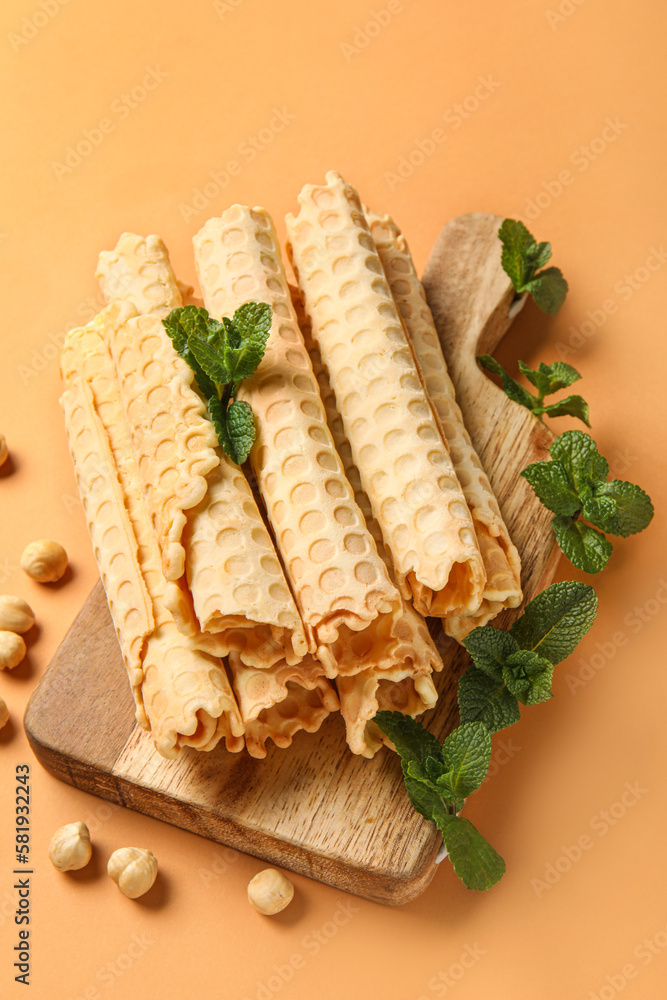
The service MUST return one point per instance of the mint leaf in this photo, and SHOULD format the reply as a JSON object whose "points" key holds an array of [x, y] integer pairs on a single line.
{"points": [[586, 548], [560, 375], [521, 256], [475, 862], [556, 620], [571, 406], [412, 741], [241, 429], [511, 388], [548, 289], [422, 796], [466, 755], [248, 334], [539, 378], [553, 487], [578, 454], [253, 319], [633, 509], [179, 324], [528, 676], [482, 699], [489, 648], [206, 353], [597, 509]]}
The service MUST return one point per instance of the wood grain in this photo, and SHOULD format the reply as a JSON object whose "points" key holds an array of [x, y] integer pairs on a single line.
{"points": [[315, 808]]}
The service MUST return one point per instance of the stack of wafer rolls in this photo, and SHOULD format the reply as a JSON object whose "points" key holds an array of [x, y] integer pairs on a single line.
{"points": [[407, 686], [501, 559], [233, 578], [342, 588], [404, 464], [182, 693]]}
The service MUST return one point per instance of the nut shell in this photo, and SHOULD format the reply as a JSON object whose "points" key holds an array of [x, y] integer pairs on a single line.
{"points": [[133, 869], [70, 848], [44, 561], [4, 451], [16, 615], [4, 714], [270, 892], [12, 650]]}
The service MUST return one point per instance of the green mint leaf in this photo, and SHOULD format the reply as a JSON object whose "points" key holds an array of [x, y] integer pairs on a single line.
{"points": [[217, 412], [548, 289], [539, 378], [571, 406], [519, 256], [511, 388], [586, 548], [475, 862], [598, 509], [483, 699], [578, 454], [412, 741], [466, 755], [422, 796], [556, 620], [528, 676], [553, 487], [560, 375], [179, 324], [632, 511], [489, 648], [241, 429], [206, 351], [247, 339]]}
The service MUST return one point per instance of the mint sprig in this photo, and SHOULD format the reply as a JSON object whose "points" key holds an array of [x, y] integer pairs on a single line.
{"points": [[521, 257], [508, 668], [438, 779], [575, 487], [516, 667], [547, 379], [222, 355]]}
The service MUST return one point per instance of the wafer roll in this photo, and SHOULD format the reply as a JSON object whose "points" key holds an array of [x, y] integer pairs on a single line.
{"points": [[408, 685], [370, 691], [501, 559], [404, 464], [214, 544], [137, 270], [181, 693], [278, 702], [340, 583]]}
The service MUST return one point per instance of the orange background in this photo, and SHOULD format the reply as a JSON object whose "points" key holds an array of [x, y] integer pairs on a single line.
{"points": [[552, 81]]}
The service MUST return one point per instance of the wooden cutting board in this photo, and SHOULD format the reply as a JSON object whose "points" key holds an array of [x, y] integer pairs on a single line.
{"points": [[315, 808]]}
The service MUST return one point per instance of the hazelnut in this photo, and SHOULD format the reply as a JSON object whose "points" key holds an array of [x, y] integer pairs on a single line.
{"points": [[133, 869], [70, 847], [3, 449], [16, 615], [4, 714], [44, 561], [270, 892], [12, 650]]}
